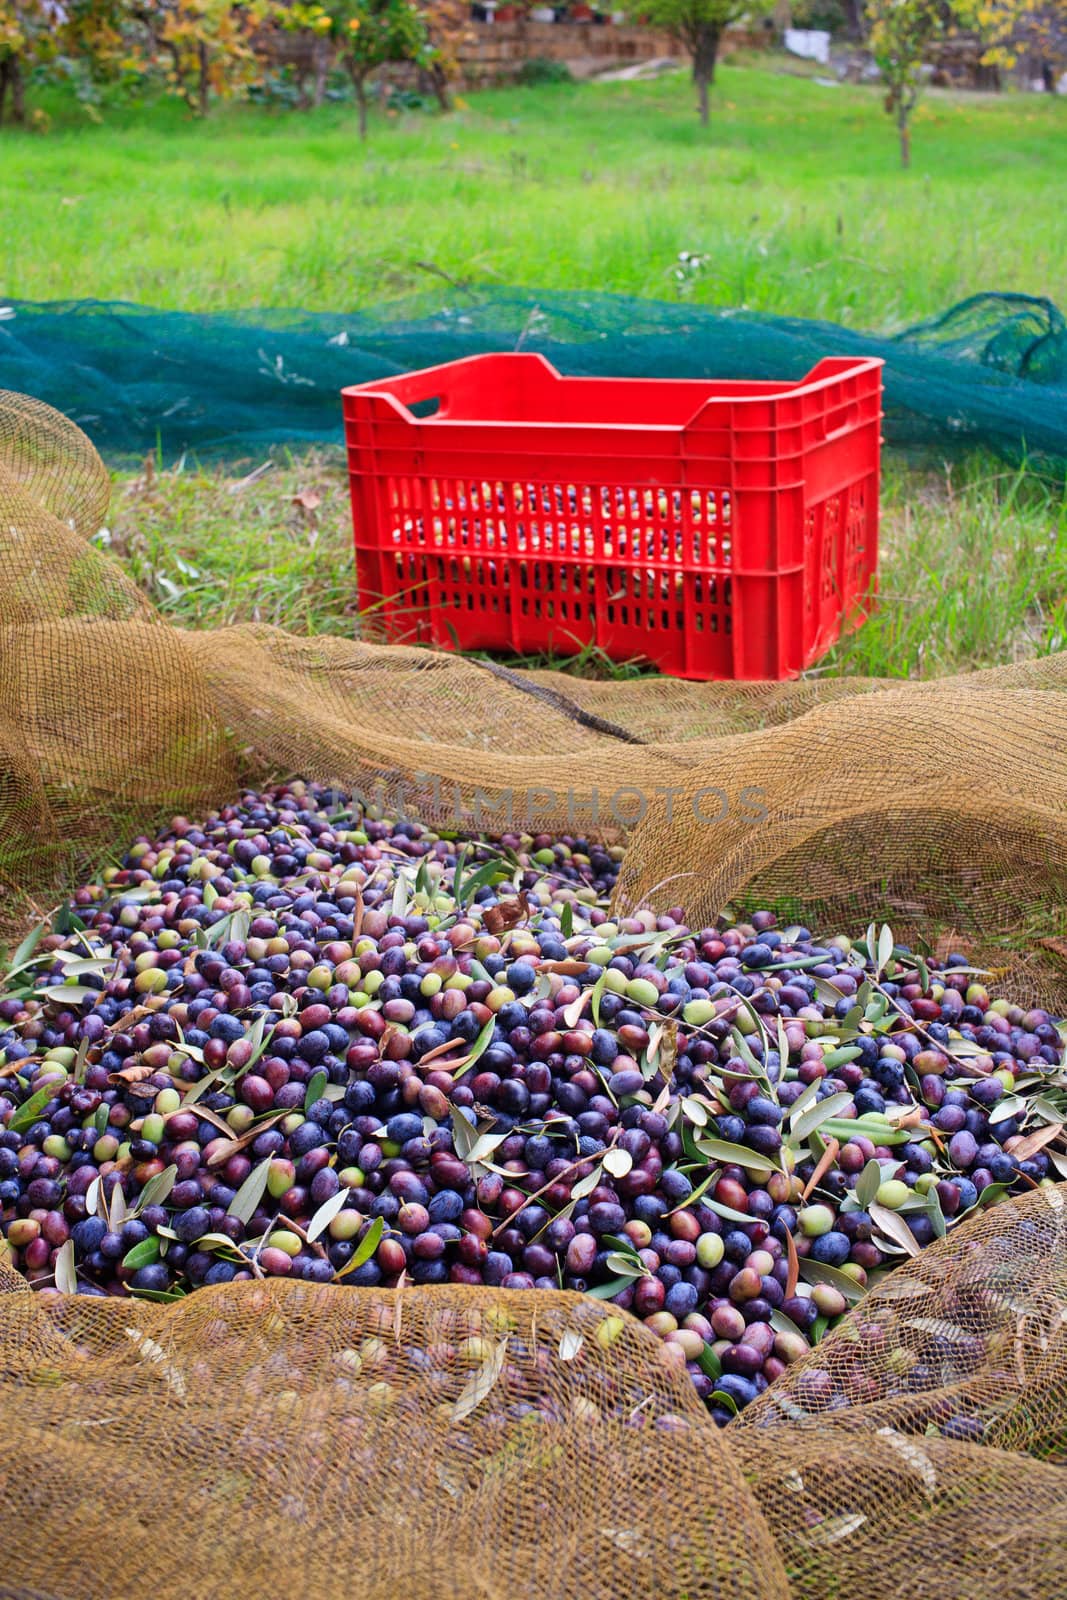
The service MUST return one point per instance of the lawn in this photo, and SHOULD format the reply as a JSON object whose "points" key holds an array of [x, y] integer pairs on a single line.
{"points": [[793, 202], [793, 197]]}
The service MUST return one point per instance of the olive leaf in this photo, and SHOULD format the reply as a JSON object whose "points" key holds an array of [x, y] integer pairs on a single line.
{"points": [[480, 1383], [117, 1210], [143, 1254], [709, 1363], [823, 1111], [1036, 1141], [457, 876], [737, 1155], [99, 968], [948, 1332], [608, 1291], [868, 1184], [626, 1265], [248, 1196], [794, 964], [821, 1272], [698, 1193], [156, 1190], [485, 876], [597, 991], [95, 1204], [364, 1250], [28, 1111], [401, 889], [894, 1228], [325, 1214], [316, 1084], [259, 1036], [478, 1049], [572, 1012], [722, 1210], [936, 1215], [838, 1058], [886, 944], [21, 957], [570, 1345], [66, 1276], [586, 1185], [915, 1456], [783, 1324], [67, 994], [794, 1265], [804, 1100], [694, 1110], [832, 1529]]}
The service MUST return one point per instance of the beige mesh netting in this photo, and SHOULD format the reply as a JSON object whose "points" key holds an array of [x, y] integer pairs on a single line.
{"points": [[316, 1440], [299, 1439]]}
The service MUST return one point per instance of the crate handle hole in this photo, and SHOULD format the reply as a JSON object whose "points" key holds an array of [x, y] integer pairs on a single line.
{"points": [[840, 420]]}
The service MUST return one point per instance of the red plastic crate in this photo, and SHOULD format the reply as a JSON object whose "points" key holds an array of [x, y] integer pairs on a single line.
{"points": [[718, 530]]}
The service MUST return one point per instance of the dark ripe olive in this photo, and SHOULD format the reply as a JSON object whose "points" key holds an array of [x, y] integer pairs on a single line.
{"points": [[731, 1193], [581, 1254], [390, 1256], [561, 1085]]}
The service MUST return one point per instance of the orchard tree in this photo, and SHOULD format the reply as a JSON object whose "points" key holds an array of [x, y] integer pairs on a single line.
{"points": [[1017, 29], [700, 25], [85, 42], [202, 47], [448, 26], [902, 33], [369, 34], [17, 40]]}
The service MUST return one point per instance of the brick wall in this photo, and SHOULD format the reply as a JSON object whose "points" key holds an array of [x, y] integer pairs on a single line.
{"points": [[496, 50]]}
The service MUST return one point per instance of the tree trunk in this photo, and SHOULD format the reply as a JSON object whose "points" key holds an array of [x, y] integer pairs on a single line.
{"points": [[202, 79], [359, 83], [322, 67], [439, 80], [855, 22], [905, 138], [705, 55], [18, 91]]}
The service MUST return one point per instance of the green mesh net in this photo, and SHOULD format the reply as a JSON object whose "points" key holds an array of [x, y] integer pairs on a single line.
{"points": [[991, 373]]}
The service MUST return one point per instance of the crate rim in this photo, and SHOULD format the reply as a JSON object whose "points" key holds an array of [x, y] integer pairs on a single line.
{"points": [[770, 391]]}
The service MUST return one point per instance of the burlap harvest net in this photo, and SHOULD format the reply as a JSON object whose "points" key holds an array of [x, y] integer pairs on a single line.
{"points": [[311, 1440], [301, 1439]]}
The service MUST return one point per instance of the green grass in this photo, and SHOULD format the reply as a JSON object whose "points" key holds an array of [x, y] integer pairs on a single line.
{"points": [[793, 200], [794, 196], [973, 572]]}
